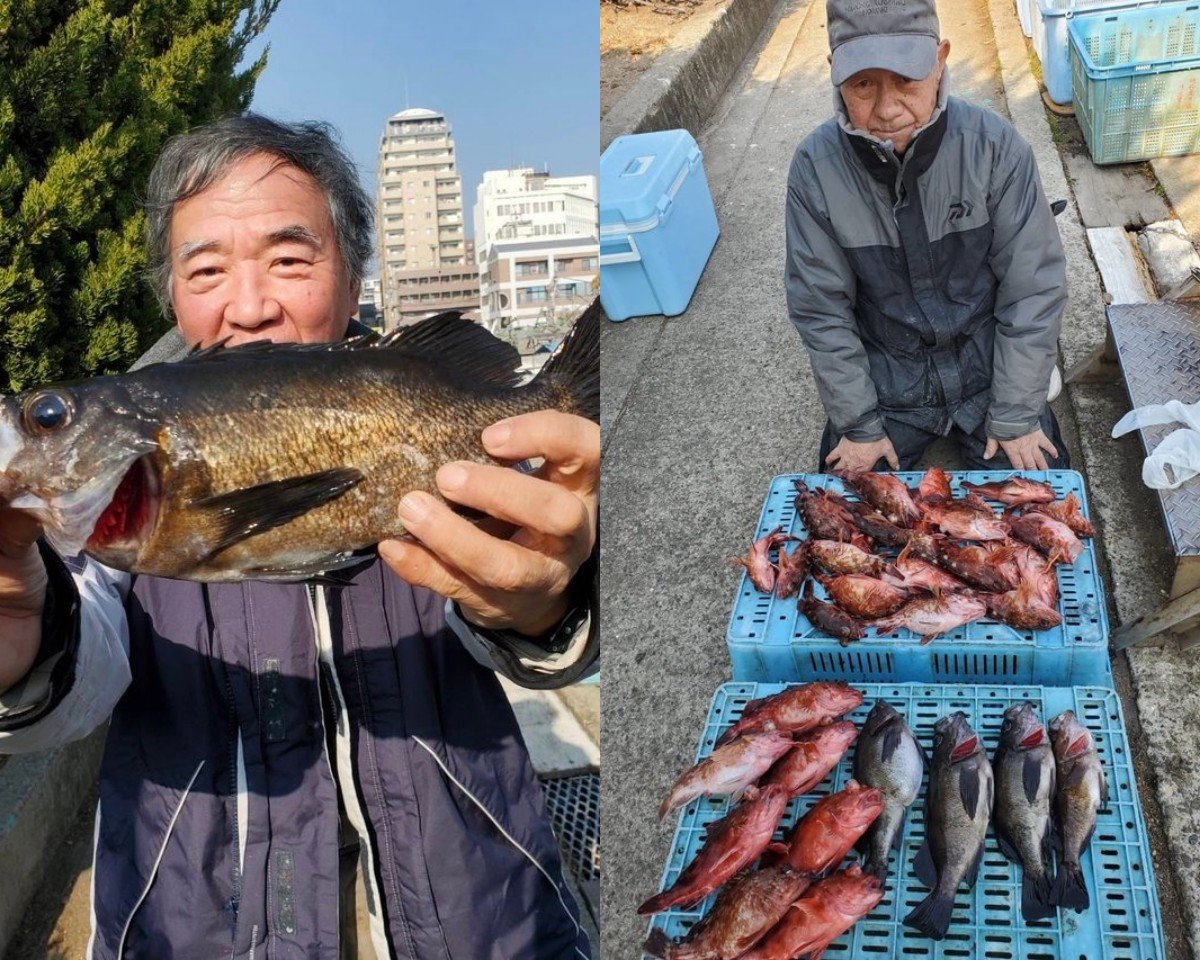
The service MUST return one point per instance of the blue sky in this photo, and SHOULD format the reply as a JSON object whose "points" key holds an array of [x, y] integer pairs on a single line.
{"points": [[519, 80]]}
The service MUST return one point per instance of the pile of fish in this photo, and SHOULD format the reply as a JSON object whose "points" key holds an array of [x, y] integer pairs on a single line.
{"points": [[958, 560], [790, 898]]}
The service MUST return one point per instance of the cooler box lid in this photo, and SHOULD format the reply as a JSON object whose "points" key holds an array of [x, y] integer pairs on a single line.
{"points": [[640, 174]]}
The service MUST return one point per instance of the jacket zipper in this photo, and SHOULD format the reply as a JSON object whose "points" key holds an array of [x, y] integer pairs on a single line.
{"points": [[324, 641]]}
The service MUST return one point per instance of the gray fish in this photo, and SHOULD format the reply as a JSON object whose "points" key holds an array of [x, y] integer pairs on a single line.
{"points": [[958, 805], [271, 461], [1025, 781], [1082, 789], [889, 758]]}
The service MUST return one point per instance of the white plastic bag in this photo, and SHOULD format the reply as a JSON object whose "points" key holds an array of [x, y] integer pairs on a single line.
{"points": [[1176, 459]]}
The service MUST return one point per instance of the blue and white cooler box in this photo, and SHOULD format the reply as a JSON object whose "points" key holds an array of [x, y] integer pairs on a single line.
{"points": [[657, 224]]}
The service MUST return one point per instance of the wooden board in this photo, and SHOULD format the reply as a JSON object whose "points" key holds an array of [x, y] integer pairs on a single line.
{"points": [[1118, 196], [1120, 266]]}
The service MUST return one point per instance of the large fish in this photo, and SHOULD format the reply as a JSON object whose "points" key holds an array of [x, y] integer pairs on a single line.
{"points": [[958, 805], [830, 618], [963, 520], [885, 493], [837, 558], [1024, 769], [743, 912], [811, 758], [1068, 511], [1014, 491], [934, 486], [834, 824], [933, 616], [864, 597], [796, 710], [979, 566], [728, 769], [1054, 538], [1081, 790], [732, 843], [889, 758], [914, 573], [757, 561], [827, 516], [829, 908], [270, 461]]}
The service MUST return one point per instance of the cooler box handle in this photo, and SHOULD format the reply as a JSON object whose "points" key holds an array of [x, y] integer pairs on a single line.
{"points": [[619, 250]]}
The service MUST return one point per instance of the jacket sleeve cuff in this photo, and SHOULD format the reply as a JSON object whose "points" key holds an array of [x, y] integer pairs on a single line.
{"points": [[53, 672], [867, 430], [1010, 429], [564, 656]]}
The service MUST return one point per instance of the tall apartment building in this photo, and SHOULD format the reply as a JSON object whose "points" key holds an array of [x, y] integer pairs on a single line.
{"points": [[538, 251], [424, 267]]}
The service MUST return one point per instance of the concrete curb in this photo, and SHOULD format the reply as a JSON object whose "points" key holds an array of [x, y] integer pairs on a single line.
{"points": [[687, 79], [40, 795]]}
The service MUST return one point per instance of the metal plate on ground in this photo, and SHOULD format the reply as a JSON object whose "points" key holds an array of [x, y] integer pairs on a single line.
{"points": [[573, 808], [1124, 922], [1159, 347]]}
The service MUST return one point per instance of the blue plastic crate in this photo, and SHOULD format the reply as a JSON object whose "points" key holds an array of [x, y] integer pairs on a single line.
{"points": [[770, 640], [1124, 922], [1136, 80], [657, 224], [1052, 43]]}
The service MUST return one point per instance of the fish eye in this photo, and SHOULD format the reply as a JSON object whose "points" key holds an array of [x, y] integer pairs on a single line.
{"points": [[46, 412]]}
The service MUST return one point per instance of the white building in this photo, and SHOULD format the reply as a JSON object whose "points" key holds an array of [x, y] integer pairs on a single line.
{"points": [[537, 246], [424, 266], [370, 302]]}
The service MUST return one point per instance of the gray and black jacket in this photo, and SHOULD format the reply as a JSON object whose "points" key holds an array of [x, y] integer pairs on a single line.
{"points": [[928, 290]]}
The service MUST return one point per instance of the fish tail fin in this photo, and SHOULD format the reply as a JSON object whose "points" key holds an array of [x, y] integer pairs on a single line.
{"points": [[658, 944], [575, 369], [1069, 891], [670, 897], [1036, 902], [932, 915]]}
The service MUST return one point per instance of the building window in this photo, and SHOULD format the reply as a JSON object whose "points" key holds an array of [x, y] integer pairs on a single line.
{"points": [[590, 263], [533, 295], [534, 268]]}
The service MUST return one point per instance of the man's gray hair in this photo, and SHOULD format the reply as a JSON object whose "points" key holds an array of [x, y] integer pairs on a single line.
{"points": [[192, 162]]}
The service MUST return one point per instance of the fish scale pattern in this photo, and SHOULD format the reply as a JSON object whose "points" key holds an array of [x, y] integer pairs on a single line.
{"points": [[1159, 347], [1124, 922], [770, 640]]}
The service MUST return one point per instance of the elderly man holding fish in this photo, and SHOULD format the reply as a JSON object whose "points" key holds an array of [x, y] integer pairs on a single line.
{"points": [[924, 271], [285, 704]]}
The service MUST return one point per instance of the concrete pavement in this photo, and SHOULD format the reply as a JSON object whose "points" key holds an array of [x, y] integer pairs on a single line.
{"points": [[701, 410]]}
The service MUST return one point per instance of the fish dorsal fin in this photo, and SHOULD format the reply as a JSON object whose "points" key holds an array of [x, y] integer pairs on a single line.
{"points": [[449, 340]]}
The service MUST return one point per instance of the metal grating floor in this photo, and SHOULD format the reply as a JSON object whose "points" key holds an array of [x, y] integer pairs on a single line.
{"points": [[1159, 347], [573, 806]]}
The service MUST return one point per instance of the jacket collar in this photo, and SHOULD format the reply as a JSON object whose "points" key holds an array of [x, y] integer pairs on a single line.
{"points": [[879, 156]]}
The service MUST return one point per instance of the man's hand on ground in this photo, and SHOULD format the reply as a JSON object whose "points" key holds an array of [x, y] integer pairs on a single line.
{"points": [[1024, 453], [848, 455], [22, 594], [517, 581]]}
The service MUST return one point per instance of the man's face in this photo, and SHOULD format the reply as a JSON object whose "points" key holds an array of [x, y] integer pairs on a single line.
{"points": [[889, 106], [255, 257]]}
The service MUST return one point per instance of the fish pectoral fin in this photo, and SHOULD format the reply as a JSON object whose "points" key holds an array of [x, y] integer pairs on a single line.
{"points": [[319, 572], [244, 513], [448, 340], [1031, 776], [968, 790], [891, 740], [924, 867]]}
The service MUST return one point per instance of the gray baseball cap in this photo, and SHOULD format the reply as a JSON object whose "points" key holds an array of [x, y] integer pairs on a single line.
{"points": [[897, 35]]}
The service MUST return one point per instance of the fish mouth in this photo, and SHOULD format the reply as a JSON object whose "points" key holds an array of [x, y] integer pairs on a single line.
{"points": [[966, 748], [132, 512]]}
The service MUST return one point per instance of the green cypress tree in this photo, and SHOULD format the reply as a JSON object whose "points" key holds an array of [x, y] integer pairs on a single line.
{"points": [[90, 90]]}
